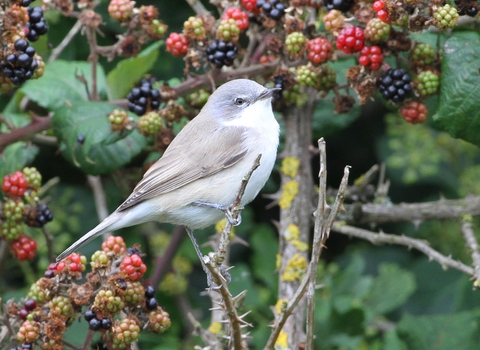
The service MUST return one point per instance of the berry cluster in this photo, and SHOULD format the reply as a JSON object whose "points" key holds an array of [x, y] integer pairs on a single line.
{"points": [[414, 112], [320, 50], [427, 83], [115, 245], [221, 53], [36, 24], [14, 184], [24, 248], [377, 31], [382, 13], [295, 44], [133, 266], [340, 5], [351, 39], [94, 323], [20, 65], [177, 44], [119, 120], [73, 265], [371, 57], [113, 303], [238, 15], [395, 85], [143, 98], [274, 9]]}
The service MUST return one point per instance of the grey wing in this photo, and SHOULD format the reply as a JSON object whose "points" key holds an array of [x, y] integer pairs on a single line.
{"points": [[183, 163]]}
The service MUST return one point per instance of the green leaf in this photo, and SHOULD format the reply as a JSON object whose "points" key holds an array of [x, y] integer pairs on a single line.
{"points": [[441, 332], [391, 341], [325, 121], [102, 151], [15, 156], [459, 106], [59, 86], [121, 79], [390, 289]]}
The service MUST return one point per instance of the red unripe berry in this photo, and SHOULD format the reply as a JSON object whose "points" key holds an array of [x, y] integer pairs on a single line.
{"points": [[320, 50], [351, 39], [177, 44], [414, 112], [24, 248], [251, 6], [371, 56], [238, 15], [378, 5]]}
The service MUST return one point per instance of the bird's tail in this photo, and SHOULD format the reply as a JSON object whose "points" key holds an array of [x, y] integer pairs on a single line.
{"points": [[103, 227]]}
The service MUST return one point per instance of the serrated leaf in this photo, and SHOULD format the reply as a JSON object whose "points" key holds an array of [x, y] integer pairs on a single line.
{"points": [[459, 107], [59, 87], [390, 289], [15, 156], [121, 79], [441, 332], [101, 151]]}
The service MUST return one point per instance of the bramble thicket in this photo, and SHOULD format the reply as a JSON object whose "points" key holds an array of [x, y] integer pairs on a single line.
{"points": [[381, 254]]}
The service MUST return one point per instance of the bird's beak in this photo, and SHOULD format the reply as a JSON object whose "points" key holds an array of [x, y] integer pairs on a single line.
{"points": [[267, 93]]}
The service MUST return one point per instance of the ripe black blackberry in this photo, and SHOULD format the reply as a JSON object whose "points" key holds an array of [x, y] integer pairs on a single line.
{"points": [[143, 97], [272, 8], [278, 81], [36, 25], [44, 215], [221, 53], [20, 65], [395, 85], [340, 5]]}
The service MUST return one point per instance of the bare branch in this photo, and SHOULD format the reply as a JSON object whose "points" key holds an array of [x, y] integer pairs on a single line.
{"points": [[68, 38], [38, 124], [472, 244], [423, 246], [95, 183], [197, 6]]}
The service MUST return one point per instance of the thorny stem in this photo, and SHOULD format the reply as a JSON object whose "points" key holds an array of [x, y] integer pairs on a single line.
{"points": [[235, 210], [423, 246]]}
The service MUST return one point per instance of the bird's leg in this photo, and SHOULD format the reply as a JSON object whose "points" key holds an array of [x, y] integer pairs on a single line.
{"points": [[233, 221], [200, 256]]}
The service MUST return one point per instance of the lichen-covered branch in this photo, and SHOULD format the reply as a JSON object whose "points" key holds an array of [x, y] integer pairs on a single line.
{"points": [[415, 212]]}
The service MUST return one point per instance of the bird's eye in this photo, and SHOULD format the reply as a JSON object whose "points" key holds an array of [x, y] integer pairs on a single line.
{"points": [[239, 101]]}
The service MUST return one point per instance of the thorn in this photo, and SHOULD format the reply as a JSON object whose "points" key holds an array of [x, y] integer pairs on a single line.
{"points": [[224, 321], [239, 295], [245, 314], [216, 309]]}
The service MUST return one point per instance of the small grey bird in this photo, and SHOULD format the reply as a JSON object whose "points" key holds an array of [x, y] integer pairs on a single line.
{"points": [[197, 178]]}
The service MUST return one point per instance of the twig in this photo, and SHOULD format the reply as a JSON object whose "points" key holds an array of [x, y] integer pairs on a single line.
{"points": [[88, 340], [471, 240], [38, 124], [49, 240], [197, 6], [235, 210], [318, 238], [380, 238], [70, 35], [235, 320]]}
